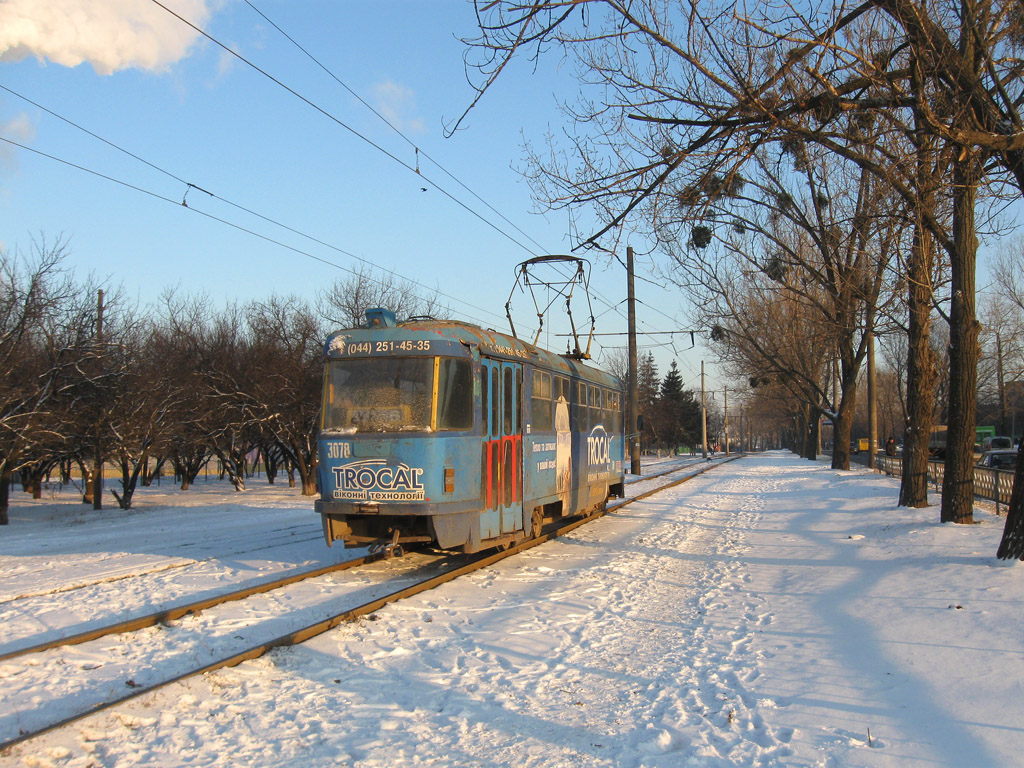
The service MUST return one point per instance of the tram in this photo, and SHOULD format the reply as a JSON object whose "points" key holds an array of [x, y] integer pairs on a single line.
{"points": [[444, 433]]}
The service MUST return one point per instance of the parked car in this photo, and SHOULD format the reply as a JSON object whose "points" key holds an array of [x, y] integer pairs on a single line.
{"points": [[997, 443], [1004, 459]]}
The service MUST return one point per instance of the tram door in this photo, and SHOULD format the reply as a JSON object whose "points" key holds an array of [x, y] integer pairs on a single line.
{"points": [[503, 446]]}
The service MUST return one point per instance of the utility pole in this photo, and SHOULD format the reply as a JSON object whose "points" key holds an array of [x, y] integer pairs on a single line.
{"points": [[835, 400], [872, 399], [703, 415], [726, 406], [97, 474], [633, 405]]}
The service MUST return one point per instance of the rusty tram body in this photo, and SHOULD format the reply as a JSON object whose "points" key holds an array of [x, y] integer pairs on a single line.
{"points": [[443, 433]]}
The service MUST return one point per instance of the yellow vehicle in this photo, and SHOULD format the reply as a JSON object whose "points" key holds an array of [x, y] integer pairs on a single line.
{"points": [[865, 444]]}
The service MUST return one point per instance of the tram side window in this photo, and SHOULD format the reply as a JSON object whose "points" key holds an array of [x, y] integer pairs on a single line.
{"points": [[540, 403], [509, 416], [582, 419], [562, 391], [484, 391], [612, 411], [562, 388], [595, 407], [519, 401], [454, 394], [495, 401]]}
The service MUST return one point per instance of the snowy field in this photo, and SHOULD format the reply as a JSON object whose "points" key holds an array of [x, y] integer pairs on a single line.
{"points": [[772, 612]]}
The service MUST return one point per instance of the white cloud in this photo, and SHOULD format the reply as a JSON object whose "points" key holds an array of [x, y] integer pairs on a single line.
{"points": [[108, 34], [19, 129], [398, 104], [226, 63], [22, 130]]}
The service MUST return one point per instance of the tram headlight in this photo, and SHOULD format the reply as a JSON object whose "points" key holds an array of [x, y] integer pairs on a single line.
{"points": [[449, 480]]}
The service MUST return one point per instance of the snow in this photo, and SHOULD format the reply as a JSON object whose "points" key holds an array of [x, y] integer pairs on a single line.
{"points": [[772, 611]]}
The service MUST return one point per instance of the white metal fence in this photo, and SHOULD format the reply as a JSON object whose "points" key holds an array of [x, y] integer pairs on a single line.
{"points": [[992, 484]]}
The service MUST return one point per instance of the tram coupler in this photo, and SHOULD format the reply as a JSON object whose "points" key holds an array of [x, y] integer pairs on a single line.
{"points": [[390, 548]]}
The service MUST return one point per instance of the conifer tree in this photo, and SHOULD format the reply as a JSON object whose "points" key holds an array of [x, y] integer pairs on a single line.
{"points": [[648, 387], [678, 411]]}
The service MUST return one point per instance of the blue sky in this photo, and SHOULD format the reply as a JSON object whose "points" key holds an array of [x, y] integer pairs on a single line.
{"points": [[139, 78]]}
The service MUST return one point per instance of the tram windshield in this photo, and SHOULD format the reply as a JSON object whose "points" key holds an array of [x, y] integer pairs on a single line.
{"points": [[395, 394]]}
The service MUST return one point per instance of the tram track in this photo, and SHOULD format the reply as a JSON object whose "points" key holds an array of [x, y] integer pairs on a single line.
{"points": [[178, 611], [284, 535], [424, 575]]}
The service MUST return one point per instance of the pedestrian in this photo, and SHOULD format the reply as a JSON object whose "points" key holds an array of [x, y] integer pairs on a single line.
{"points": [[890, 446]]}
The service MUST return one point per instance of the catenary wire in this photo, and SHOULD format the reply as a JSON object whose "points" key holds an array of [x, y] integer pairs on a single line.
{"points": [[200, 212], [190, 185], [410, 142], [339, 122], [611, 306], [344, 125]]}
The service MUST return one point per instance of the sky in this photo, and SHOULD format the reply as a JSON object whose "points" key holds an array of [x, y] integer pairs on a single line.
{"points": [[770, 612], [127, 118]]}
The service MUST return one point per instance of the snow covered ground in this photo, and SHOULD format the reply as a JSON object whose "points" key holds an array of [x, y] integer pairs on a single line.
{"points": [[770, 612]]}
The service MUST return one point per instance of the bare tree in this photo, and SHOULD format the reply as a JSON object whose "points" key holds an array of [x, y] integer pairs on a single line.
{"points": [[344, 304], [143, 404], [1002, 355], [690, 91], [1009, 277], [814, 225], [764, 330], [34, 292], [178, 340], [287, 346]]}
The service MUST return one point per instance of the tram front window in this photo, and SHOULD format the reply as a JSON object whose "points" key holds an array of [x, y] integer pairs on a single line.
{"points": [[379, 394]]}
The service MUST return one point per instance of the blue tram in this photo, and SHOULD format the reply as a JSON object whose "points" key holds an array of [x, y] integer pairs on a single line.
{"points": [[443, 432]]}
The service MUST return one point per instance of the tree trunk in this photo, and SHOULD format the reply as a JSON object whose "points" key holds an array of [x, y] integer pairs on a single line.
{"points": [[813, 430], [5, 498], [271, 460], [921, 364], [233, 466], [1001, 387], [842, 425], [131, 470], [921, 373], [964, 329], [1011, 546], [87, 484]]}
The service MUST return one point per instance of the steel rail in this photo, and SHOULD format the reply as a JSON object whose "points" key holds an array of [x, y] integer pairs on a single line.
{"points": [[184, 609], [176, 612], [477, 562], [189, 563]]}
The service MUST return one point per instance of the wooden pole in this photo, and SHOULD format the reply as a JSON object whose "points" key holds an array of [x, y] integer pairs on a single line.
{"points": [[634, 385]]}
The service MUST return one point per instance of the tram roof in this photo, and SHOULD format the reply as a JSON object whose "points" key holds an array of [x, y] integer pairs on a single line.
{"points": [[458, 339]]}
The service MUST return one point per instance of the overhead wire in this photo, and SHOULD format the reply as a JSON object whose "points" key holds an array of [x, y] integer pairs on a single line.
{"points": [[611, 306], [419, 150], [190, 185], [344, 125], [218, 219], [352, 130]]}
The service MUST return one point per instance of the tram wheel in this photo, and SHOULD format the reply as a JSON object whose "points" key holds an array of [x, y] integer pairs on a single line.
{"points": [[537, 523]]}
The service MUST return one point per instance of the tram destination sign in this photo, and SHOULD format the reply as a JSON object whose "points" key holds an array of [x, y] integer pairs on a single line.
{"points": [[340, 346]]}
